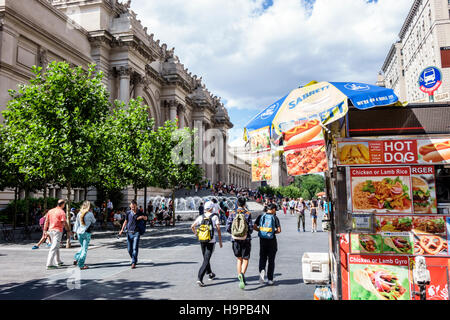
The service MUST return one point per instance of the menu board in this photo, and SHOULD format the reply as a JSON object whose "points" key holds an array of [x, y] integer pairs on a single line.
{"points": [[306, 159], [262, 167], [401, 190], [374, 277], [381, 190], [304, 148], [424, 189], [408, 235], [393, 152], [260, 140]]}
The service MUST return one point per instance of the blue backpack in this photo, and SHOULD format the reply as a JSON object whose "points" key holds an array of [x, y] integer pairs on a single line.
{"points": [[267, 226]]}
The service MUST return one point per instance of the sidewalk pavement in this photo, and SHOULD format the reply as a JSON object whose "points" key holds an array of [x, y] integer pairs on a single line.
{"points": [[169, 259]]}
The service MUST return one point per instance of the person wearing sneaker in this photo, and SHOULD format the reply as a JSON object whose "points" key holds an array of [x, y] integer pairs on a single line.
{"points": [[84, 222], [203, 227], [133, 218], [240, 225], [300, 209], [267, 225], [54, 224]]}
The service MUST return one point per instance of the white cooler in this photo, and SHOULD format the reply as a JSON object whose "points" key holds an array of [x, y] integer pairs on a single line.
{"points": [[316, 268]]}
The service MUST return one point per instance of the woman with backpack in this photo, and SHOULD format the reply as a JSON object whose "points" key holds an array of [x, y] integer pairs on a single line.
{"points": [[205, 233], [84, 223], [267, 225]]}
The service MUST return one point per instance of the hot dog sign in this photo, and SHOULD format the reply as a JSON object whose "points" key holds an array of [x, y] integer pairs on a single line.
{"points": [[394, 152]]}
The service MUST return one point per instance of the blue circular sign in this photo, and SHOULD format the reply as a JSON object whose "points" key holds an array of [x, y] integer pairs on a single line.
{"points": [[430, 79]]}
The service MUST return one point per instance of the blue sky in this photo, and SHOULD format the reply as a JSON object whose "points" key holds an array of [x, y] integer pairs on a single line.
{"points": [[252, 52]]}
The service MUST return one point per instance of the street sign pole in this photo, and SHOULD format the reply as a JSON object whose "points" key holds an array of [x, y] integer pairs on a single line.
{"points": [[430, 80]]}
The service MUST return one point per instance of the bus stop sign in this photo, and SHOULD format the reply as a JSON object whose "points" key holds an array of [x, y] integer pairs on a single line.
{"points": [[430, 80]]}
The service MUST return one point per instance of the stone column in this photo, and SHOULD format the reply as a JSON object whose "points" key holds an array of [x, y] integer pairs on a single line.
{"points": [[172, 110], [198, 148], [139, 89], [181, 111], [124, 84]]}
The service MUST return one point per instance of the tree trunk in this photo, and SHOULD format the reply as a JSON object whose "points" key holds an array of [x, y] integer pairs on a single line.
{"points": [[69, 193], [45, 199], [145, 200], [27, 207], [135, 193], [85, 193], [15, 207], [173, 206]]}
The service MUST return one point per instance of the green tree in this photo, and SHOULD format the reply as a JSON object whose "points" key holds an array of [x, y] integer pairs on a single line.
{"points": [[175, 165], [313, 184], [57, 115]]}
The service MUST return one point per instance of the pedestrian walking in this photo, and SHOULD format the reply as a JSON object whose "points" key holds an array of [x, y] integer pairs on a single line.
{"points": [[54, 224], [240, 225], [206, 235], [201, 209], [292, 206], [109, 207], [84, 223], [313, 210], [300, 210], [133, 222], [45, 237], [284, 205], [267, 225]]}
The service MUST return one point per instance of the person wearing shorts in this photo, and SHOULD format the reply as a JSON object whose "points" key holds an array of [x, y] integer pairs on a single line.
{"points": [[241, 248]]}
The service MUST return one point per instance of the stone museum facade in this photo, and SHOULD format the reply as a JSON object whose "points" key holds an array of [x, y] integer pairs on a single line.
{"points": [[134, 63]]}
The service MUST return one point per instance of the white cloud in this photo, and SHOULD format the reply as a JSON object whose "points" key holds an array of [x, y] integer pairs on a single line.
{"points": [[251, 57]]}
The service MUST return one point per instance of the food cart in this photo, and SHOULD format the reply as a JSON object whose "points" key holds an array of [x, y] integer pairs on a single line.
{"points": [[389, 186]]}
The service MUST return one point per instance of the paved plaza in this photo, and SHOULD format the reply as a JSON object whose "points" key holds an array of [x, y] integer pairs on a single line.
{"points": [[169, 259]]}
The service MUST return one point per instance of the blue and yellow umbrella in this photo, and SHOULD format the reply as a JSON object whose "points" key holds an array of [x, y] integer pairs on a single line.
{"points": [[300, 117], [322, 101]]}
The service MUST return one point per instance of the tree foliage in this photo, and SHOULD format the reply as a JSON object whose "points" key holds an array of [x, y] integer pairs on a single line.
{"points": [[60, 128], [305, 187]]}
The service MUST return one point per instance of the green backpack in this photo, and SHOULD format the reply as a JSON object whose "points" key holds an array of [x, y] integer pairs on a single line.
{"points": [[239, 227]]}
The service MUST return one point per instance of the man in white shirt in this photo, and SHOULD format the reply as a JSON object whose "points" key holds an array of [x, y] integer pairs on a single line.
{"points": [[207, 246]]}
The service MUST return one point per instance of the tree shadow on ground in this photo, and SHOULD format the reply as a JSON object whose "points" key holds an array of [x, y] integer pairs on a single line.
{"points": [[118, 289], [140, 264], [177, 238]]}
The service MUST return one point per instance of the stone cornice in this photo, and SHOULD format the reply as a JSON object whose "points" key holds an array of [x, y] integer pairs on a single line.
{"points": [[137, 45], [153, 74], [18, 72], [9, 13], [409, 18], [389, 57]]}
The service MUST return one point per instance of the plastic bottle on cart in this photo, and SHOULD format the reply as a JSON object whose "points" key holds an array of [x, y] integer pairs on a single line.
{"points": [[323, 293]]}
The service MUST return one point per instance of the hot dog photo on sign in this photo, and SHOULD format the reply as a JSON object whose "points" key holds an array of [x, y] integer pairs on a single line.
{"points": [[434, 151], [303, 132]]}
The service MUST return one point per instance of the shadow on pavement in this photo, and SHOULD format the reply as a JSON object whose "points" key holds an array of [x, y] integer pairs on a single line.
{"points": [[140, 264], [87, 289], [119, 289]]}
